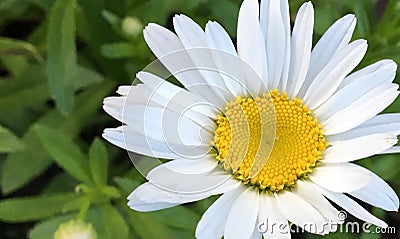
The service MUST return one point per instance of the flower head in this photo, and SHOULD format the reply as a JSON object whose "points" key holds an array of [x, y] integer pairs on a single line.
{"points": [[75, 229], [271, 124]]}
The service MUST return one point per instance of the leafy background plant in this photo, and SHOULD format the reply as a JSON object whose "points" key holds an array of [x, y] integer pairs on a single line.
{"points": [[60, 58]]}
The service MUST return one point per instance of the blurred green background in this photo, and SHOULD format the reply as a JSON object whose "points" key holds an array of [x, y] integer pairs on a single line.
{"points": [[60, 58]]}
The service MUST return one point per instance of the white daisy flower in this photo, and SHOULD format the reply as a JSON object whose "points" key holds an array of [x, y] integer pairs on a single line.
{"points": [[273, 125]]}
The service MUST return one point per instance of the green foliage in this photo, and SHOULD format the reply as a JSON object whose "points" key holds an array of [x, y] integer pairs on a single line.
{"points": [[66, 154], [16, 47], [98, 162], [60, 58], [40, 207], [114, 225], [117, 50], [61, 63], [13, 174], [9, 142], [46, 228]]}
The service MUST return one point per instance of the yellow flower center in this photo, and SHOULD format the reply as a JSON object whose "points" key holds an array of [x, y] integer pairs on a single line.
{"points": [[268, 142]]}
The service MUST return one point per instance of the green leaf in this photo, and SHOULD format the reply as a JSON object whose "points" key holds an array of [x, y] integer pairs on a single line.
{"points": [[84, 77], [187, 218], [61, 64], [16, 65], [12, 9], [62, 182], [113, 19], [22, 96], [88, 103], [14, 47], [113, 224], [143, 224], [35, 208], [386, 166], [65, 152], [46, 229], [118, 50], [363, 25], [14, 55], [33, 76], [326, 17], [9, 142], [100, 33], [98, 162], [14, 174], [126, 184], [226, 12]]}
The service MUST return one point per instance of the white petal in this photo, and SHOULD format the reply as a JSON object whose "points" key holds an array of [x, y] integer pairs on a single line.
{"points": [[269, 215], [334, 39], [361, 110], [218, 38], [163, 42], [192, 166], [380, 65], [154, 144], [174, 97], [352, 207], [358, 148], [207, 183], [379, 194], [300, 48], [172, 54], [300, 212], [151, 193], [212, 223], [273, 28], [256, 233], [340, 177], [141, 206], [380, 124], [115, 106], [226, 58], [392, 150], [163, 124], [357, 88], [329, 79], [112, 106], [140, 144], [286, 23], [162, 97], [194, 40], [137, 199], [309, 192], [189, 32], [243, 215], [251, 46], [123, 89], [281, 235], [383, 119]]}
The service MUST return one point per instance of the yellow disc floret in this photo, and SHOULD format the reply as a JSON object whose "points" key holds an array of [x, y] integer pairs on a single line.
{"points": [[268, 142]]}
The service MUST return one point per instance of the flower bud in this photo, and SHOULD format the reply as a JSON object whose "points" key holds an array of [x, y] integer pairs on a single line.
{"points": [[75, 229], [132, 26]]}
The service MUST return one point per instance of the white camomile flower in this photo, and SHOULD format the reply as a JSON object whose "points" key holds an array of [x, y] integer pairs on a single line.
{"points": [[273, 125]]}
